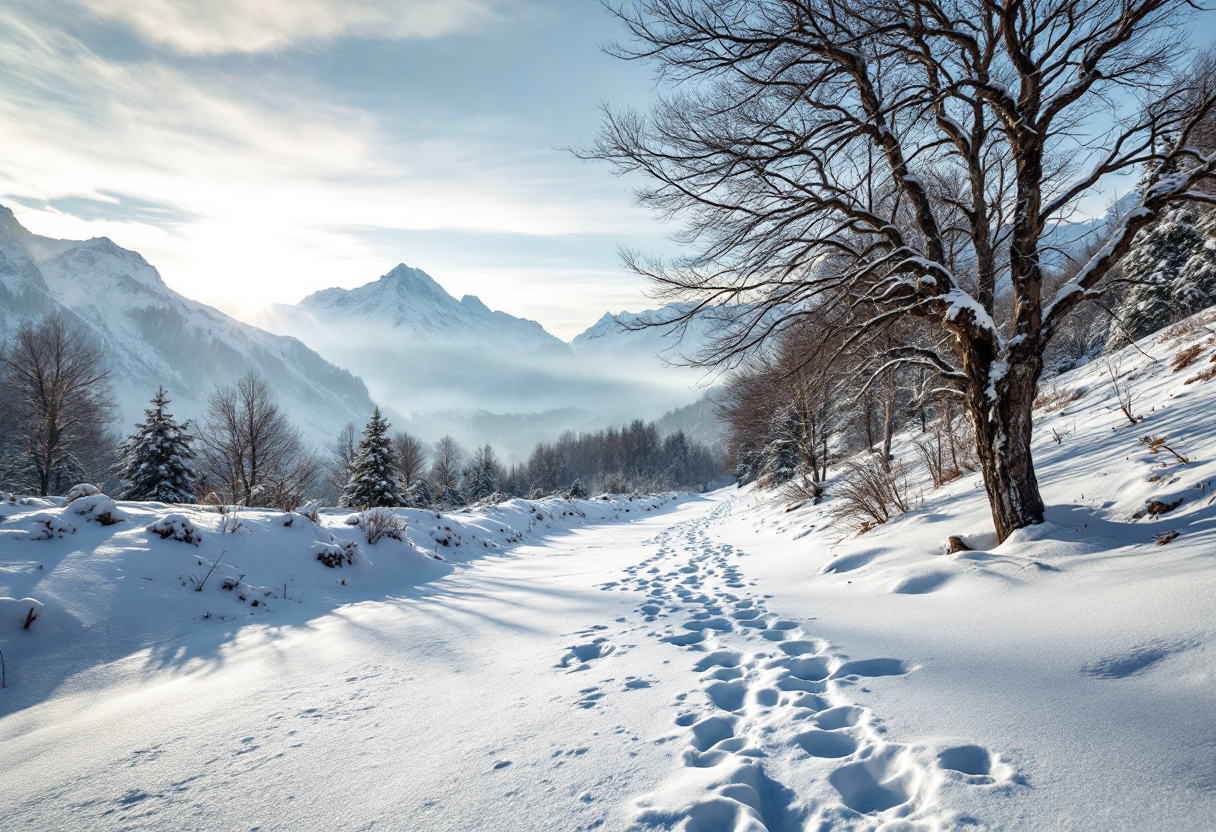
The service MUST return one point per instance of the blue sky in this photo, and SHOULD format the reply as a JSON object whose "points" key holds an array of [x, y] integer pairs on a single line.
{"points": [[259, 151]]}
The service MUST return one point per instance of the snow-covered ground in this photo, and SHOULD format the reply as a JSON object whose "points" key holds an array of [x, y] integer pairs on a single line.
{"points": [[700, 663]]}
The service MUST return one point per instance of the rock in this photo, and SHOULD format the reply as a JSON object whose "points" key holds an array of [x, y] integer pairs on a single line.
{"points": [[956, 544]]}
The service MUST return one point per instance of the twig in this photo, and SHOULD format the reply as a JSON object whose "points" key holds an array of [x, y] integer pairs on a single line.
{"points": [[199, 588]]}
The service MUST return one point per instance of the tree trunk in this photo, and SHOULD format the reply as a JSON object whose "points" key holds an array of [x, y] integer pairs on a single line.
{"points": [[1003, 431]]}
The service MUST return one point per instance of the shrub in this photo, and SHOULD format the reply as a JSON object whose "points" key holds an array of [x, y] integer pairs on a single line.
{"points": [[176, 527], [337, 552], [99, 508], [1185, 357], [377, 523], [49, 527], [81, 490], [577, 492], [870, 493]]}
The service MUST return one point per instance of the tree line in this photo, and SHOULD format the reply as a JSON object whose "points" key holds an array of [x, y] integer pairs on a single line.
{"points": [[56, 430]]}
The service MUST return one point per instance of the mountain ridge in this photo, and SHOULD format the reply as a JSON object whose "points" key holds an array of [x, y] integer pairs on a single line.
{"points": [[152, 335]]}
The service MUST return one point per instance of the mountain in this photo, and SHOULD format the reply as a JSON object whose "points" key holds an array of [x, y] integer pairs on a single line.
{"points": [[458, 367], [410, 302], [648, 336], [153, 336]]}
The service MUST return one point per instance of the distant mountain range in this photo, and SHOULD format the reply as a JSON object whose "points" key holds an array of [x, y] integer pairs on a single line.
{"points": [[153, 336], [454, 366]]}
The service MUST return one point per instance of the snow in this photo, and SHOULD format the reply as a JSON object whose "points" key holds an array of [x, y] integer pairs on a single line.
{"points": [[704, 662]]}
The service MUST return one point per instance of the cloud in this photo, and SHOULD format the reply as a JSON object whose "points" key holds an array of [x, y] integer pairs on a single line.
{"points": [[214, 27], [248, 187]]}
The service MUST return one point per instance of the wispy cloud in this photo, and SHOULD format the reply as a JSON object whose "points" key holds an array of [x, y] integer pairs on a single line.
{"points": [[222, 26], [248, 187]]}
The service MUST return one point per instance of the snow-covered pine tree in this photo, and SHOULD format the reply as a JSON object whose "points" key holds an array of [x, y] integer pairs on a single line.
{"points": [[1173, 266], [481, 478], [780, 459], [155, 460], [373, 479], [419, 494]]}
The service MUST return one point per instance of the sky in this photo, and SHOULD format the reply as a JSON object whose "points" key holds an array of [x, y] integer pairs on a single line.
{"points": [[257, 152]]}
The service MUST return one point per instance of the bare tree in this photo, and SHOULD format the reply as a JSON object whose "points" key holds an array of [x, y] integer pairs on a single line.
{"points": [[445, 473], [410, 459], [907, 158], [250, 451], [58, 406], [342, 457]]}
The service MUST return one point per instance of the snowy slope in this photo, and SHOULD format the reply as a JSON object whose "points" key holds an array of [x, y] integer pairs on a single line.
{"points": [[153, 336]]}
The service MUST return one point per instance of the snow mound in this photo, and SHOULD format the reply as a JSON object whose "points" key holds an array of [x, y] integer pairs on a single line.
{"points": [[98, 508], [176, 527]]}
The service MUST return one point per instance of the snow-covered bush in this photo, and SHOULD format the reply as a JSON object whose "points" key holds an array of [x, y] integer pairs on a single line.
{"points": [[310, 509], [377, 523], [81, 490], [99, 508], [577, 492], [176, 527], [337, 552], [49, 526]]}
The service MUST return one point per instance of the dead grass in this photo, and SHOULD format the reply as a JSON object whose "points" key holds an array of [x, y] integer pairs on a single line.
{"points": [[1185, 357]]}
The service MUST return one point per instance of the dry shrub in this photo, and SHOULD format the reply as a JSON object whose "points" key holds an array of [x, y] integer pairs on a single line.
{"points": [[870, 492], [1054, 397], [1051, 398], [1185, 357], [1184, 329], [802, 489], [378, 523], [1203, 375], [947, 451]]}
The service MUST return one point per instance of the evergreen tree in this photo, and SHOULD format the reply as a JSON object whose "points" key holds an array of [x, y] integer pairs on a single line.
{"points": [[419, 494], [481, 478], [1173, 268], [780, 459], [155, 462], [373, 479]]}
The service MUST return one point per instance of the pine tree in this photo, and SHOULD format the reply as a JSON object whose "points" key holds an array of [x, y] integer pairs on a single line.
{"points": [[780, 459], [1171, 264], [419, 494], [481, 478], [373, 479], [155, 463]]}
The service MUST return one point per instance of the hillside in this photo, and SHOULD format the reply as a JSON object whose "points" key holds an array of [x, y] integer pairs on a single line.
{"points": [[154, 336]]}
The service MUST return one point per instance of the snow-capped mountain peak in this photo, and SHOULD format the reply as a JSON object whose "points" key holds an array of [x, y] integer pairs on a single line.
{"points": [[407, 301], [152, 336]]}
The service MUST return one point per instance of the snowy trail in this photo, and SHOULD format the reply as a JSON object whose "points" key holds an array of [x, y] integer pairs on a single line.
{"points": [[775, 740], [621, 676]]}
